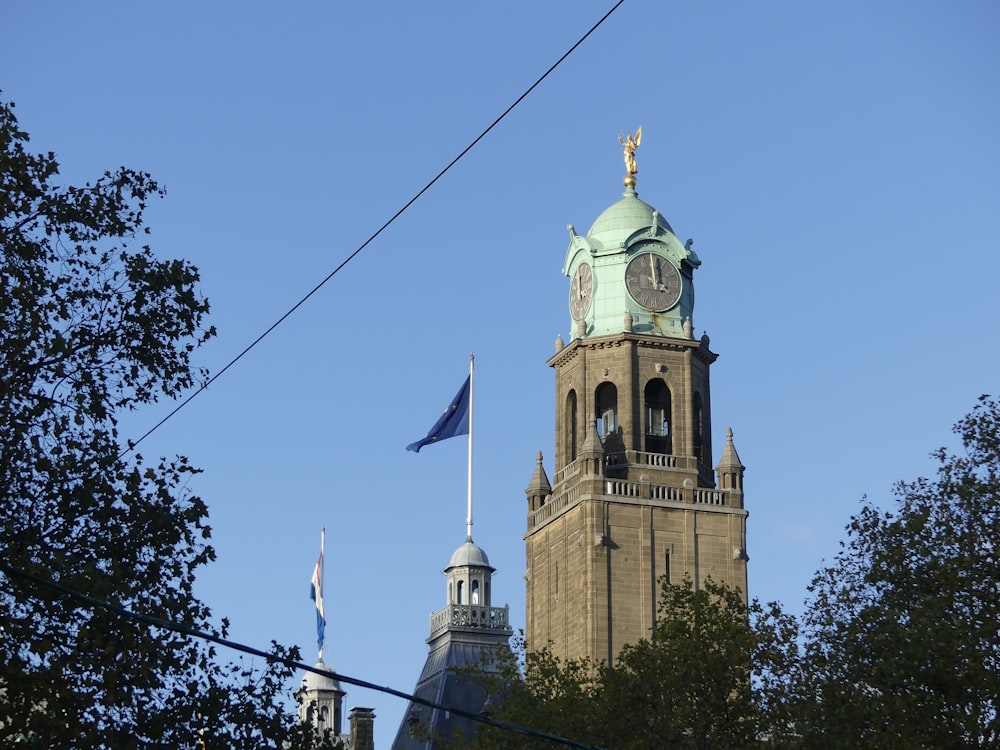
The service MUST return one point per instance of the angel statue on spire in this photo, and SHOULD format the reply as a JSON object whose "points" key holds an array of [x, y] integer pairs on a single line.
{"points": [[630, 144]]}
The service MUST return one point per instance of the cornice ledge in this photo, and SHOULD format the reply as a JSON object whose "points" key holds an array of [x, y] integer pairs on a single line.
{"points": [[614, 340]]}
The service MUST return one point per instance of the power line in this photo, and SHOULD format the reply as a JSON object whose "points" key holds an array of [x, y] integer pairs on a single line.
{"points": [[133, 443], [236, 646]]}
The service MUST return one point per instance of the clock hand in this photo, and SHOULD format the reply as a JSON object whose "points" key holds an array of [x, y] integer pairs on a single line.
{"points": [[652, 267]]}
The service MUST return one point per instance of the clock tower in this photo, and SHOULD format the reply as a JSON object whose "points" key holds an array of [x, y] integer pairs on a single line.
{"points": [[633, 497]]}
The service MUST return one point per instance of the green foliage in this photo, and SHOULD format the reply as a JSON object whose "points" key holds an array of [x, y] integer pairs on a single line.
{"points": [[556, 697], [903, 646], [899, 646], [91, 326], [691, 685]]}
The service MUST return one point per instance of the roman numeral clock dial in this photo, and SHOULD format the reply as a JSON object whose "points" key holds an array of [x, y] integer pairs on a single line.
{"points": [[653, 281], [580, 291]]}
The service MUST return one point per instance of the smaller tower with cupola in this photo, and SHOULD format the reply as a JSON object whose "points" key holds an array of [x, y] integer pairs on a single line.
{"points": [[321, 702], [633, 496], [462, 635]]}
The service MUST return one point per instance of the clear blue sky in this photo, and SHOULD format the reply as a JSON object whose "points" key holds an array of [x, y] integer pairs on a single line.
{"points": [[837, 164]]}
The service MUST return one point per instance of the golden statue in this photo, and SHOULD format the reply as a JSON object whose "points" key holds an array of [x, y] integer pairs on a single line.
{"points": [[630, 144]]}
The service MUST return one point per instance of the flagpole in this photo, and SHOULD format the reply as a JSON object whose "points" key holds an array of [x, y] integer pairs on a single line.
{"points": [[322, 579], [468, 522]]}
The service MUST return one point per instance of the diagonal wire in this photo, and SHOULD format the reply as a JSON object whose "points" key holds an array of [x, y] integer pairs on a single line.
{"points": [[177, 627], [133, 443]]}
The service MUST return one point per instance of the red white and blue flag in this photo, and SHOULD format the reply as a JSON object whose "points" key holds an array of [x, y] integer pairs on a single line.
{"points": [[316, 594]]}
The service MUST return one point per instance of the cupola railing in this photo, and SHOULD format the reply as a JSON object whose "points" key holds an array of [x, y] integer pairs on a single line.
{"points": [[470, 616]]}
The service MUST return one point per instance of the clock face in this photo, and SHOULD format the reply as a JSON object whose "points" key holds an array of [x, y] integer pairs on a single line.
{"points": [[580, 291], [653, 281]]}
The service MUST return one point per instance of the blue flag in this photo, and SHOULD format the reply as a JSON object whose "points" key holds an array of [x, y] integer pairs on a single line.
{"points": [[454, 421]]}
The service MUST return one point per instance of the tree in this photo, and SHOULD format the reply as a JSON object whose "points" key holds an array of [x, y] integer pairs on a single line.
{"points": [[535, 690], [903, 629], [711, 675], [91, 326]]}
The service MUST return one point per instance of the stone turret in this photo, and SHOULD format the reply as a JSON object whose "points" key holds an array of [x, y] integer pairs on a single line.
{"points": [[539, 488], [729, 469]]}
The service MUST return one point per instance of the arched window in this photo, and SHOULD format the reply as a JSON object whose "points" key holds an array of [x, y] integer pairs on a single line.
{"points": [[657, 399], [461, 592], [571, 425], [475, 592], [606, 400], [698, 428], [324, 714]]}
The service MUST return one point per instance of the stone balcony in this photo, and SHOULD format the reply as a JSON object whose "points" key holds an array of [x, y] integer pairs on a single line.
{"points": [[639, 459], [569, 486], [470, 616]]}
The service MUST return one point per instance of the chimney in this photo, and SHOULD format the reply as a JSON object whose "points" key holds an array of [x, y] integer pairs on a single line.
{"points": [[362, 728]]}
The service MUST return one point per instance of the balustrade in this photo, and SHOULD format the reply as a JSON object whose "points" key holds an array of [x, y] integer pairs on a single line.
{"points": [[619, 487], [665, 492], [711, 497], [623, 488], [554, 504], [570, 470], [470, 616]]}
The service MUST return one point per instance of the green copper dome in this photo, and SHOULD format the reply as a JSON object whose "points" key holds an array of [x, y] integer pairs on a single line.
{"points": [[620, 220], [630, 274]]}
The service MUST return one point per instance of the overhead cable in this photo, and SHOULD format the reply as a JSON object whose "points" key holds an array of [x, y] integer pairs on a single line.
{"points": [[194, 633], [133, 443]]}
